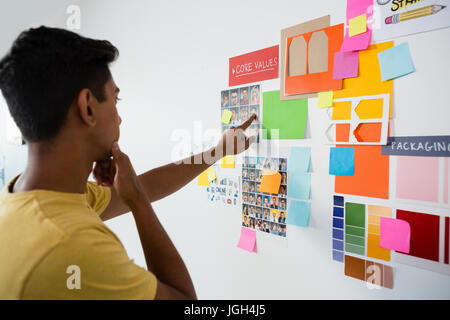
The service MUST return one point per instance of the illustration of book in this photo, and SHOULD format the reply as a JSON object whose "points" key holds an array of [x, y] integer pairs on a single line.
{"points": [[417, 13]]}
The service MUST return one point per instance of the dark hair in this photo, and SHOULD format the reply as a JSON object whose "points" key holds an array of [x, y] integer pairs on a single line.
{"points": [[43, 73]]}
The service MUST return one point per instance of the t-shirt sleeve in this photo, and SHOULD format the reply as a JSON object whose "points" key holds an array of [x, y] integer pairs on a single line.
{"points": [[98, 197], [89, 265]]}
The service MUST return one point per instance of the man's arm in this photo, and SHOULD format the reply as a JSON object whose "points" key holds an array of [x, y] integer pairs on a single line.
{"points": [[165, 180]]}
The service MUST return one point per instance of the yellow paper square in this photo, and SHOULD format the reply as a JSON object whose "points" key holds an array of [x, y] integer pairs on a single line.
{"points": [[226, 116], [325, 99], [227, 162], [203, 179], [211, 174], [357, 25]]}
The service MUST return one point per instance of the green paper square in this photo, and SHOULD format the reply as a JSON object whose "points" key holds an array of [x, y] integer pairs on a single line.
{"points": [[288, 116], [355, 214]]}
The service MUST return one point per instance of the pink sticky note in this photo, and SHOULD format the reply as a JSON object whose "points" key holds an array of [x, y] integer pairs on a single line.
{"points": [[345, 65], [395, 234], [361, 41], [418, 178], [247, 240]]}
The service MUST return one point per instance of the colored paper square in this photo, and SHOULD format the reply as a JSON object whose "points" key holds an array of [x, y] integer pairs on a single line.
{"points": [[355, 214], [338, 256], [338, 223], [395, 234], [395, 62], [374, 250], [338, 201], [270, 182], [203, 179], [299, 186], [359, 241], [325, 99], [298, 213], [346, 65], [338, 212], [371, 174], [338, 233], [374, 273], [338, 245], [227, 162], [286, 116], [424, 242], [342, 161], [226, 116], [356, 231], [352, 248], [355, 268], [211, 174], [247, 241], [418, 178], [300, 160], [357, 25]]}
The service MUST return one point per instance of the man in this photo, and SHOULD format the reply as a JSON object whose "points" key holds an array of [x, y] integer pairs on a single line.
{"points": [[62, 96], [234, 98], [244, 97]]}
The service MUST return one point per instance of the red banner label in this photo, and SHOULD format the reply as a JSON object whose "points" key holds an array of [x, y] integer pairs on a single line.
{"points": [[254, 66]]}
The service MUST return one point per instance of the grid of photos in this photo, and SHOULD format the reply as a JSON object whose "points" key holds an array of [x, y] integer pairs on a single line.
{"points": [[242, 102], [224, 190], [262, 211]]}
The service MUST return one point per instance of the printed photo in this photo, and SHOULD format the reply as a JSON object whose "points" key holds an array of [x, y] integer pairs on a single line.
{"points": [[259, 212], [252, 211], [274, 202], [266, 201], [252, 223], [243, 114], [234, 96], [245, 209], [254, 95], [282, 205], [252, 187], [251, 198], [283, 164], [282, 217], [224, 103], [244, 95]]}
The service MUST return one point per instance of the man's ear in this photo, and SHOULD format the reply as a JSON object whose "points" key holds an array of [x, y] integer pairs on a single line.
{"points": [[86, 103]]}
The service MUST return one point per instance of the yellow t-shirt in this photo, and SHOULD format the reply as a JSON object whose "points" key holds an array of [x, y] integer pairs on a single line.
{"points": [[53, 245]]}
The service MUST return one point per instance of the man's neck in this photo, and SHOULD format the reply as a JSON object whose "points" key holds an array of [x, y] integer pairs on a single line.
{"points": [[62, 169]]}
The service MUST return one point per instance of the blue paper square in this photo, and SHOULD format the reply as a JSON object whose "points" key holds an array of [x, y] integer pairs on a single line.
{"points": [[298, 213], [338, 234], [338, 256], [300, 160], [338, 223], [338, 212], [299, 186], [338, 245], [338, 201], [342, 161], [395, 62]]}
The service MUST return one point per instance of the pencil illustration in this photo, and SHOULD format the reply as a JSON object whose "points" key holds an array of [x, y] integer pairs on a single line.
{"points": [[417, 13]]}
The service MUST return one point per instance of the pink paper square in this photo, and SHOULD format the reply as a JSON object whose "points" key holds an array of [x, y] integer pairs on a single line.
{"points": [[395, 234], [361, 41], [248, 240], [345, 65], [418, 178]]}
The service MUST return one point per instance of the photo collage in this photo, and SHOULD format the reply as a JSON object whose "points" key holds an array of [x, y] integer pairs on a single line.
{"points": [[264, 211], [224, 190], [242, 102]]}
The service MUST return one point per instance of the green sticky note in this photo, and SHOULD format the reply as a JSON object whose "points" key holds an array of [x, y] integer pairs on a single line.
{"points": [[287, 116], [357, 25], [325, 99], [226, 116], [355, 214]]}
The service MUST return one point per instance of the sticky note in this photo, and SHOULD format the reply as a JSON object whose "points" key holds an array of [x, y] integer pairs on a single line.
{"points": [[345, 65], [300, 160], [270, 182], [325, 99], [299, 185], [357, 25], [298, 213], [395, 234], [342, 161], [227, 162], [247, 241], [211, 174], [203, 179], [395, 62], [226, 116]]}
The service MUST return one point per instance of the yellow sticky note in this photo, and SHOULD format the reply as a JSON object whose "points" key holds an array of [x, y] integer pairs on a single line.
{"points": [[325, 99], [270, 182], [227, 162], [357, 25], [203, 179], [211, 174], [226, 116]]}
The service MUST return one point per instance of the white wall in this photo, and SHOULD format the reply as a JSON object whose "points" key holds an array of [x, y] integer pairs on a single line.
{"points": [[173, 64]]}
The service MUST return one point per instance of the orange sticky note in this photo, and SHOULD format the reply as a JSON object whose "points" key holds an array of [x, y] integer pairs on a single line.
{"points": [[270, 182]]}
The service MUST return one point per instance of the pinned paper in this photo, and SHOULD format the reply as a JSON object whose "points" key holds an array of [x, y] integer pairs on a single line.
{"points": [[270, 182], [228, 162], [345, 65], [395, 62], [299, 186], [247, 241], [395, 234], [300, 160], [342, 161], [325, 99], [226, 116], [211, 174], [357, 25], [298, 213], [203, 179], [356, 8]]}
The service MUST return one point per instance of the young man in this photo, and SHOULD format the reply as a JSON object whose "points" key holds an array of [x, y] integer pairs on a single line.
{"points": [[53, 243]]}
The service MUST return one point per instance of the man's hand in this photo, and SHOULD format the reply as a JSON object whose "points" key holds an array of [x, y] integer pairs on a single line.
{"points": [[234, 141], [104, 172]]}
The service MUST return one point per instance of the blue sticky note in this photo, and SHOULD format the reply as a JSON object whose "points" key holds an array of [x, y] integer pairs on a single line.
{"points": [[338, 256], [338, 201], [338, 223], [342, 161], [299, 185], [300, 160], [298, 213], [338, 212], [395, 62], [338, 234], [338, 245]]}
